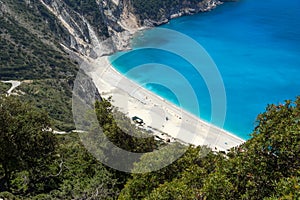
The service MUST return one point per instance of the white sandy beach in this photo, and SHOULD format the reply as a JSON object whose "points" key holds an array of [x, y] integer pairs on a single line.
{"points": [[134, 100]]}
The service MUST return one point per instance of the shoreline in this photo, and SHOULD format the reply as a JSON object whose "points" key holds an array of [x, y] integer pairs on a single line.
{"points": [[157, 113]]}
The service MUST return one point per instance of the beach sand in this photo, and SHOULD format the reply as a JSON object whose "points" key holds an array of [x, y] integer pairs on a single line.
{"points": [[157, 113]]}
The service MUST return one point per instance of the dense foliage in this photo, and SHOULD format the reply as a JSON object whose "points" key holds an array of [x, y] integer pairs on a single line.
{"points": [[116, 126], [160, 10], [53, 96], [26, 146], [265, 167], [4, 87], [271, 156], [29, 37], [36, 164]]}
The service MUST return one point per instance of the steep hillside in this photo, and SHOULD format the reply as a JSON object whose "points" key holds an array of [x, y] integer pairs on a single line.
{"points": [[45, 40], [158, 12]]}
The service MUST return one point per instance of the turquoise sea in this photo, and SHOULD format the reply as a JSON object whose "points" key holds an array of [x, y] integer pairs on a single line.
{"points": [[254, 44]]}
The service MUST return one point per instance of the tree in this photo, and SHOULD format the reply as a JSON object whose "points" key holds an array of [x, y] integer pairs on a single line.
{"points": [[180, 180], [270, 156], [111, 121], [25, 142], [287, 188], [123, 134], [265, 167], [78, 174]]}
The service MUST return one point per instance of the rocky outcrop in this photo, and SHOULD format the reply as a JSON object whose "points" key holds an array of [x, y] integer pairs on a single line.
{"points": [[81, 35], [80, 26], [150, 14], [109, 28], [113, 22], [45, 40]]}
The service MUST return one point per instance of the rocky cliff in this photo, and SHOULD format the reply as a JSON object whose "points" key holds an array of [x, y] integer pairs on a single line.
{"points": [[109, 24], [44, 40], [79, 26]]}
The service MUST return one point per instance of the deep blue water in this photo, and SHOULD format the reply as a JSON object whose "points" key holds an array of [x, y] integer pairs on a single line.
{"points": [[255, 46]]}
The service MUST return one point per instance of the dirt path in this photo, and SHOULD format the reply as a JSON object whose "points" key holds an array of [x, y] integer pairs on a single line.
{"points": [[14, 85]]}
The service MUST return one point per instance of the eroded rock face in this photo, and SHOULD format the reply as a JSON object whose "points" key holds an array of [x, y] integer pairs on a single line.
{"points": [[109, 24], [80, 26], [48, 40], [157, 13], [105, 24]]}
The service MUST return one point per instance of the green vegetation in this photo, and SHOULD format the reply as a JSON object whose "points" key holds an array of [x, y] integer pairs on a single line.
{"points": [[53, 96], [29, 39], [177, 181], [26, 147], [115, 131], [265, 167], [77, 174], [28, 58], [36, 164], [158, 10], [91, 10], [28, 55], [4, 87]]}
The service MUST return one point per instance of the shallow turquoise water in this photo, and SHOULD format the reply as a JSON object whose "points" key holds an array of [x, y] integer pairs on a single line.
{"points": [[255, 45]]}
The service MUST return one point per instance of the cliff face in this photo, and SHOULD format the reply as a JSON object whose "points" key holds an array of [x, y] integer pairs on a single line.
{"points": [[155, 13], [42, 40], [78, 26], [109, 24]]}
